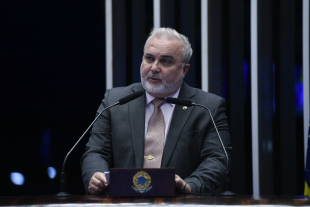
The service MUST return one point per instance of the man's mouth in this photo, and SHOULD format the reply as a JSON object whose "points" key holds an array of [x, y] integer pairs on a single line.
{"points": [[153, 78]]}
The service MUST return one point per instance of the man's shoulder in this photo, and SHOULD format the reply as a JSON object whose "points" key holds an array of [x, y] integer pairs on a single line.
{"points": [[208, 95], [201, 94], [210, 100], [133, 87], [116, 93]]}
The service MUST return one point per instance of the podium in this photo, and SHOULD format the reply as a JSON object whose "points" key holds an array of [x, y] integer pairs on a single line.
{"points": [[142, 182]]}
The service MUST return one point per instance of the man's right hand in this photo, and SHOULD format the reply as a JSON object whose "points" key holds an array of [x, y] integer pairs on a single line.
{"points": [[98, 183]]}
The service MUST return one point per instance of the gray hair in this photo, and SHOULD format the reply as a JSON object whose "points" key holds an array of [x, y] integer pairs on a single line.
{"points": [[171, 33]]}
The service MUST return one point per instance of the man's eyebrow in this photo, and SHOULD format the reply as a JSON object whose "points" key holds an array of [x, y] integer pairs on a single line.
{"points": [[163, 56], [167, 56], [149, 54]]}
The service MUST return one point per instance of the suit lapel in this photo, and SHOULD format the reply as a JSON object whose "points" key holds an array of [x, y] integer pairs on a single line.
{"points": [[178, 121], [137, 116]]}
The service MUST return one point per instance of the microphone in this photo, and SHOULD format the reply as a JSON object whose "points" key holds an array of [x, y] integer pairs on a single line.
{"points": [[184, 102], [121, 101], [178, 101], [130, 97]]}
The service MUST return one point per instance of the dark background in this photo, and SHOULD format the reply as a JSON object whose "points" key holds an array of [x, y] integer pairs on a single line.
{"points": [[52, 61], [52, 80]]}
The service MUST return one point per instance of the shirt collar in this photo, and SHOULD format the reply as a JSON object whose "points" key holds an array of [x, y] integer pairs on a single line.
{"points": [[150, 98]]}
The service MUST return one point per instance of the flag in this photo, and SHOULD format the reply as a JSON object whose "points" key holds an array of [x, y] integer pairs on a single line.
{"points": [[307, 172]]}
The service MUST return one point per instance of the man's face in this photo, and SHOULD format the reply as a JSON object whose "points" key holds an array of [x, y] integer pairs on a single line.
{"points": [[162, 70]]}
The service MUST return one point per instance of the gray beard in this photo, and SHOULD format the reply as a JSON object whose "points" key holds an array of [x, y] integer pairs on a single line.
{"points": [[163, 87]]}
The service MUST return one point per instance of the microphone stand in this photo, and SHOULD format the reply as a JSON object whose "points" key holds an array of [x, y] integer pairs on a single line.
{"points": [[121, 101], [227, 192], [62, 192], [218, 134]]}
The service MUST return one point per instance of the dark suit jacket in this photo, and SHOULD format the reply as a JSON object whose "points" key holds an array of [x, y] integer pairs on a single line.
{"points": [[192, 145]]}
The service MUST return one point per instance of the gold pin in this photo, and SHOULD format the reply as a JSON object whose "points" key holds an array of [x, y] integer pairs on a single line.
{"points": [[150, 157], [184, 107]]}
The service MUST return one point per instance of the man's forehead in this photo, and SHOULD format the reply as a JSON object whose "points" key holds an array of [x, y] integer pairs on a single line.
{"points": [[163, 44]]}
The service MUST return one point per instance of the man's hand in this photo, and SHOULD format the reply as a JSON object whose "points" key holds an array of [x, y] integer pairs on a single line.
{"points": [[181, 183], [98, 183]]}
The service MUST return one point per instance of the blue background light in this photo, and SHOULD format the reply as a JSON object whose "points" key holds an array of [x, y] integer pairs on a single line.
{"points": [[51, 172], [17, 178]]}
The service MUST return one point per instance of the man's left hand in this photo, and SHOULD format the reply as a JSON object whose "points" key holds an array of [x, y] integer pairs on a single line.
{"points": [[181, 183]]}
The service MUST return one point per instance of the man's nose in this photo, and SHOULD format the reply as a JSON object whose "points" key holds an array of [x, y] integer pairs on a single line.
{"points": [[155, 66]]}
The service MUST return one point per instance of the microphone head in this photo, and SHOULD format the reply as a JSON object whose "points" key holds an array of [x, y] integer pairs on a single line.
{"points": [[130, 97], [178, 101]]}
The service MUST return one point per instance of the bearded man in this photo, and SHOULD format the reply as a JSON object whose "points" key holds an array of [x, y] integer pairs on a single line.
{"points": [[151, 133]]}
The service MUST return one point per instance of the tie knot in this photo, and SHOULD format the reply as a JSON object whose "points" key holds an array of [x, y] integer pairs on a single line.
{"points": [[158, 102]]}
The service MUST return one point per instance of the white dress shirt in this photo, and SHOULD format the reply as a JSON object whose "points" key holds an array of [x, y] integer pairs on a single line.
{"points": [[167, 110]]}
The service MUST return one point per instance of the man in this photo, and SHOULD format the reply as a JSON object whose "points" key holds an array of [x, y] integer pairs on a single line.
{"points": [[123, 136]]}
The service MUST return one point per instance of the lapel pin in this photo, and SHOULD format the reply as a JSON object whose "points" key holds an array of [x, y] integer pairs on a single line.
{"points": [[184, 107]]}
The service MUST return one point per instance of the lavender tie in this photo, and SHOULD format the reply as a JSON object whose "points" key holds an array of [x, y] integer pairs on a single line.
{"points": [[155, 137]]}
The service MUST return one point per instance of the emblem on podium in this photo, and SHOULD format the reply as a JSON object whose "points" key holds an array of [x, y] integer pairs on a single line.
{"points": [[142, 182]]}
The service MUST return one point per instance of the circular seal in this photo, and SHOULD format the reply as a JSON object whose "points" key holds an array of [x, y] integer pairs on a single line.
{"points": [[142, 182]]}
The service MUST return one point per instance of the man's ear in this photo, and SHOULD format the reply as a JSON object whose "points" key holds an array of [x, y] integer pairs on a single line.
{"points": [[185, 69]]}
